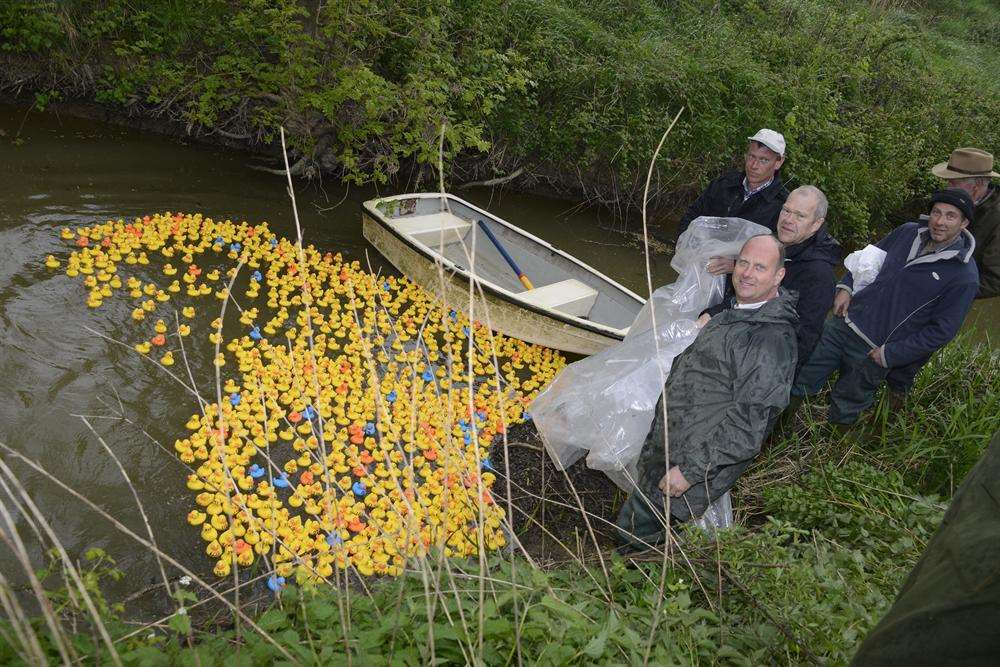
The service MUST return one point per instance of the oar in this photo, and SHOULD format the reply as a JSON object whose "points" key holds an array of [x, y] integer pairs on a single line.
{"points": [[506, 255]]}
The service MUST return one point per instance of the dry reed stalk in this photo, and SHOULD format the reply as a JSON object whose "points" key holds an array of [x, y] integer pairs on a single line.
{"points": [[67, 562], [13, 540], [666, 434], [125, 530]]}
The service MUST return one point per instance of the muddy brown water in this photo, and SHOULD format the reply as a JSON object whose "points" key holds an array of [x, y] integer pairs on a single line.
{"points": [[60, 171]]}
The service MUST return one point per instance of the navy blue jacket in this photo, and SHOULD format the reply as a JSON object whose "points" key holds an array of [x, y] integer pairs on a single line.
{"points": [[916, 304], [809, 272], [724, 198]]}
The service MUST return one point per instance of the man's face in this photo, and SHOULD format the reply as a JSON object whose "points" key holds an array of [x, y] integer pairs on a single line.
{"points": [[946, 222], [761, 163], [757, 274], [976, 187], [798, 220]]}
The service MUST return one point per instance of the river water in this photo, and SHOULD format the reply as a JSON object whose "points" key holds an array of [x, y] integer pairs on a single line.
{"points": [[60, 171]]}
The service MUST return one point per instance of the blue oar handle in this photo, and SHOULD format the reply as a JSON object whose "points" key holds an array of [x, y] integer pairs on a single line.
{"points": [[506, 255]]}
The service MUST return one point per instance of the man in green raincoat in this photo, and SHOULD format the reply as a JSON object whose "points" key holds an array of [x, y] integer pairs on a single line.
{"points": [[723, 394]]}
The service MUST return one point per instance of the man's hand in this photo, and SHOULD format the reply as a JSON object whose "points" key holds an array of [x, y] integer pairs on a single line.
{"points": [[719, 266], [878, 356], [673, 483], [840, 302], [703, 320]]}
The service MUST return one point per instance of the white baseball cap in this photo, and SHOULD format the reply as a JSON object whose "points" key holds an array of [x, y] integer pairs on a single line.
{"points": [[773, 140]]}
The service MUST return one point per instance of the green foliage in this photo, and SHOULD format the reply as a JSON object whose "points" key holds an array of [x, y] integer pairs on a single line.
{"points": [[950, 416], [859, 506], [29, 26], [868, 97]]}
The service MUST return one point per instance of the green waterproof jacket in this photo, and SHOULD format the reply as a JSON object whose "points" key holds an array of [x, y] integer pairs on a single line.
{"points": [[948, 611], [723, 394]]}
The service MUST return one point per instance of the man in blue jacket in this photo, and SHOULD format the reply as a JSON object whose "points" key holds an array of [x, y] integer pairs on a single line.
{"points": [[917, 304]]}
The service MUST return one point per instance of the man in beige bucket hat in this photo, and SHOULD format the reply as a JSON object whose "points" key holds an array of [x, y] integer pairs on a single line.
{"points": [[969, 169]]}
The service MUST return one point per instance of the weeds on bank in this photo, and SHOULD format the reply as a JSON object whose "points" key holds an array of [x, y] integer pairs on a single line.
{"points": [[948, 419], [868, 94]]}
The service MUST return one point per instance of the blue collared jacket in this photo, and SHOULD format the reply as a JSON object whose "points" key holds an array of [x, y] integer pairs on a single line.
{"points": [[917, 303]]}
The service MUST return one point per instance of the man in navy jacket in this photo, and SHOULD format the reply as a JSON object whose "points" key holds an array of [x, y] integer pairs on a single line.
{"points": [[915, 306]]}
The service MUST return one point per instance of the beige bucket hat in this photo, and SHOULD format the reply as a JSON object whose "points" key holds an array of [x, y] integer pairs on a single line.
{"points": [[966, 163]]}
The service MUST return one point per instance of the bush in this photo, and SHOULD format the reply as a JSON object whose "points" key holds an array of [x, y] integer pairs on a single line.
{"points": [[868, 97]]}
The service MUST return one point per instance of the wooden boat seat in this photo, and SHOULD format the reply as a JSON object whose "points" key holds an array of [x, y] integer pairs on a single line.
{"points": [[567, 296], [427, 228]]}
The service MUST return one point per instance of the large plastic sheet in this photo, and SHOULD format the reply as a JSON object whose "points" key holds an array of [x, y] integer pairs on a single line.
{"points": [[602, 406]]}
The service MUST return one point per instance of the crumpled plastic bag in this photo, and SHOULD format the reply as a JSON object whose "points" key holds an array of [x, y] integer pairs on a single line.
{"points": [[864, 266], [602, 406], [718, 516]]}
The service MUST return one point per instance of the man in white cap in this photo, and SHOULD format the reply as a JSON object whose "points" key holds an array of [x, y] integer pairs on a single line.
{"points": [[756, 193], [968, 169]]}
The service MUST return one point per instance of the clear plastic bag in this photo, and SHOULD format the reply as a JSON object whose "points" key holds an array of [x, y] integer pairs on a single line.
{"points": [[864, 266], [602, 406], [718, 516]]}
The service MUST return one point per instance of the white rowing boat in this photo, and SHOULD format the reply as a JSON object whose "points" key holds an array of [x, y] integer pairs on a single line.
{"points": [[436, 240]]}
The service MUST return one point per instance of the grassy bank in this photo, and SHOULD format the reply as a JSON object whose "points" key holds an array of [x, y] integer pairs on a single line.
{"points": [[832, 523], [869, 94]]}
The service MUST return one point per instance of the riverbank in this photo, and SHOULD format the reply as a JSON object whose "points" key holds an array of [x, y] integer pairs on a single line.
{"points": [[542, 95], [832, 524]]}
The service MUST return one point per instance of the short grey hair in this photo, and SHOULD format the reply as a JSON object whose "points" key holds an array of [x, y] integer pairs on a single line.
{"points": [[970, 180], [822, 205]]}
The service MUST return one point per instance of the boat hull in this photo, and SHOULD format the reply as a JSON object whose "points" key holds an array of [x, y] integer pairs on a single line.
{"points": [[489, 306]]}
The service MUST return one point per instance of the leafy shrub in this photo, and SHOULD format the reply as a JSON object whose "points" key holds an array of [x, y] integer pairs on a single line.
{"points": [[868, 97], [29, 27], [859, 506]]}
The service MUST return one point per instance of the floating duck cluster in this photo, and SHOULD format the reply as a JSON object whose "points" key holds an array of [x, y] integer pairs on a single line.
{"points": [[355, 418]]}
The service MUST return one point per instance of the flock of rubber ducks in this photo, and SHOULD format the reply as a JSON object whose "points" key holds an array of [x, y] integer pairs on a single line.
{"points": [[356, 413]]}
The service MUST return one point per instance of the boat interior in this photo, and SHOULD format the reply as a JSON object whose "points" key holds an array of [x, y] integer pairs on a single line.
{"points": [[452, 229]]}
